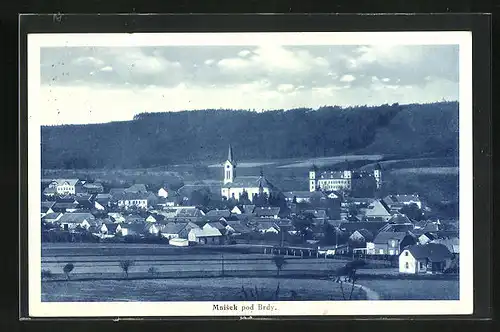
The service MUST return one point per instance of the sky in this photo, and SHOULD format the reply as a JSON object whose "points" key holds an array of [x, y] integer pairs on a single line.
{"points": [[102, 84]]}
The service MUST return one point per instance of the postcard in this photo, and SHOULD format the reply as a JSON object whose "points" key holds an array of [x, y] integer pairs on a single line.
{"points": [[250, 174]]}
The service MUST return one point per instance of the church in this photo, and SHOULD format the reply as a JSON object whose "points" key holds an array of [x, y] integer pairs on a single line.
{"points": [[234, 187]]}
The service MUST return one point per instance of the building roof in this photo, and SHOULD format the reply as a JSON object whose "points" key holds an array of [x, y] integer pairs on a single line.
{"points": [[61, 182], [372, 226], [136, 188], [434, 252], [331, 175], [172, 227], [401, 199], [250, 182], [205, 232], [263, 225], [377, 208], [189, 212], [366, 234], [47, 204], [238, 227], [137, 228], [408, 227], [132, 218], [218, 213], [264, 211], [131, 196], [116, 191], [95, 185], [49, 190], [453, 244], [217, 225], [399, 218], [76, 217], [384, 237], [51, 216]]}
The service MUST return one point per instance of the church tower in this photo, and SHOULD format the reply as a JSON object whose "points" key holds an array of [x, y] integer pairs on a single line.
{"points": [[229, 167], [312, 178], [377, 174]]}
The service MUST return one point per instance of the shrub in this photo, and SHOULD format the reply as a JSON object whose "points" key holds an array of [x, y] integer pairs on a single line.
{"points": [[67, 269], [280, 262], [46, 274], [125, 266]]}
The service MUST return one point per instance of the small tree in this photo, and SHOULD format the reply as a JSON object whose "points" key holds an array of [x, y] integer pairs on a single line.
{"points": [[280, 262], [125, 266], [67, 269]]}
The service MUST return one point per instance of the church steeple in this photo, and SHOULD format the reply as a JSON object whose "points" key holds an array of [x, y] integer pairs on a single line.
{"points": [[230, 154], [229, 167]]}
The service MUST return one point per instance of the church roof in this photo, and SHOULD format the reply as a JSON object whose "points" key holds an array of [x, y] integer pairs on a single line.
{"points": [[249, 182]]}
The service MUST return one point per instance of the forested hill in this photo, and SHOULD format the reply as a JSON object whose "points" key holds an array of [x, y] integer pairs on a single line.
{"points": [[154, 139]]}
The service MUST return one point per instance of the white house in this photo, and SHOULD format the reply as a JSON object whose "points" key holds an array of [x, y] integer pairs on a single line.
{"points": [[163, 192], [70, 221], [133, 199], [205, 236], [427, 258], [178, 242], [267, 227], [378, 210], [66, 186]]}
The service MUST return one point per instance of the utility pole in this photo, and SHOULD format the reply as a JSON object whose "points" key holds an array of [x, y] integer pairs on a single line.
{"points": [[222, 262]]}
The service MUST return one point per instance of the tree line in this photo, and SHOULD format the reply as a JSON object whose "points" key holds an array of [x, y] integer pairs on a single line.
{"points": [[156, 139]]}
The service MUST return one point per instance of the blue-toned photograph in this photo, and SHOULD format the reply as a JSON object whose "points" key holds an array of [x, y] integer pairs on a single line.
{"points": [[249, 172]]}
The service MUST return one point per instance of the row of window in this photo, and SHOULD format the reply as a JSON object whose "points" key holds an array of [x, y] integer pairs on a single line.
{"points": [[137, 201]]}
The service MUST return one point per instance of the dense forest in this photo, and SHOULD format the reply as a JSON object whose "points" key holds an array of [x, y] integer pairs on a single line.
{"points": [[155, 139]]}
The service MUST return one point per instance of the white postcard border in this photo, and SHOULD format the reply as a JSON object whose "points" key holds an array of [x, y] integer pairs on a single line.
{"points": [[37, 308]]}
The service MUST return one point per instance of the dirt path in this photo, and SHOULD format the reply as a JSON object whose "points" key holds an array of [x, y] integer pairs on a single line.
{"points": [[370, 294]]}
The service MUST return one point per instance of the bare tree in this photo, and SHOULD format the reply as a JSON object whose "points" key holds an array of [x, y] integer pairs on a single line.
{"points": [[67, 269], [126, 265], [280, 262]]}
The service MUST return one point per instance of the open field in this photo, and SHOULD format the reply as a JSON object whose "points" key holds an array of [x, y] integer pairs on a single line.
{"points": [[214, 289], [414, 289], [426, 170]]}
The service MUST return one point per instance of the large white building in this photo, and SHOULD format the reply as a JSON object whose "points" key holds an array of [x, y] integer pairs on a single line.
{"points": [[234, 187], [66, 186], [340, 180]]}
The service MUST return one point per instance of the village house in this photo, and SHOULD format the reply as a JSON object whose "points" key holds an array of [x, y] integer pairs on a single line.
{"points": [[205, 236], [110, 229], [46, 208], [131, 199], [173, 230], [237, 209], [371, 226], [189, 212], [377, 211], [360, 237], [65, 206], [66, 186], [116, 217], [268, 212], [427, 258], [248, 209], [235, 228], [451, 243], [216, 225], [426, 238], [103, 199], [267, 227], [389, 243], [319, 216], [397, 202], [304, 196], [136, 189], [132, 229], [134, 219], [93, 188], [70, 221], [52, 217], [163, 192], [154, 218], [152, 228]]}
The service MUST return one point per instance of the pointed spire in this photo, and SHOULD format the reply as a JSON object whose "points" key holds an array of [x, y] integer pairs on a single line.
{"points": [[230, 154]]}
